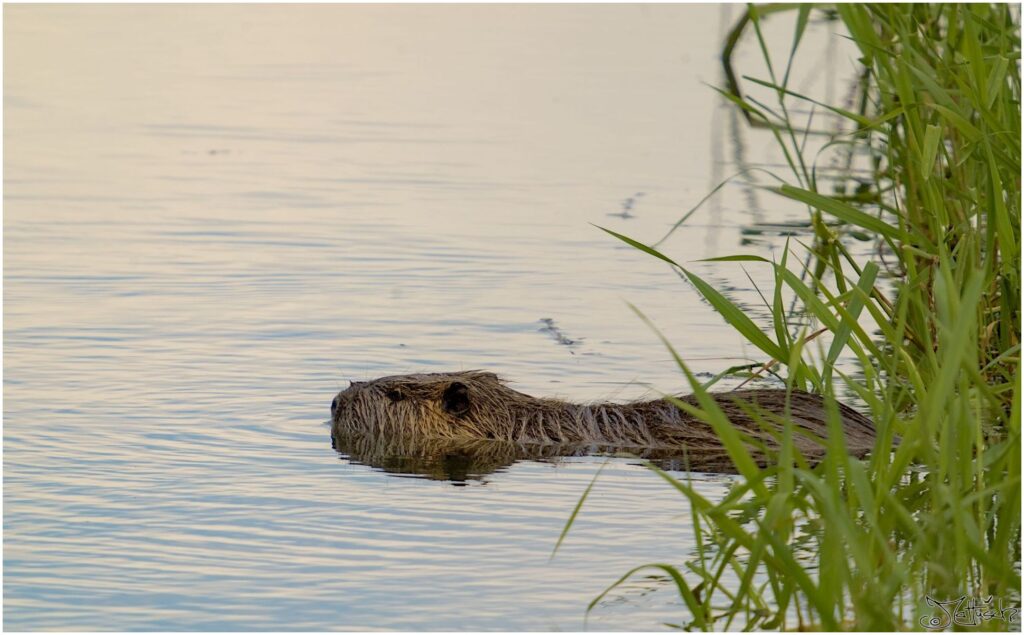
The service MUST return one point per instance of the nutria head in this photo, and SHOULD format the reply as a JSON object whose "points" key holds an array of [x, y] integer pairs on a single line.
{"points": [[446, 405]]}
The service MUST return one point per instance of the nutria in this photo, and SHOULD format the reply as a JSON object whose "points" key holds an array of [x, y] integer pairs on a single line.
{"points": [[477, 405]]}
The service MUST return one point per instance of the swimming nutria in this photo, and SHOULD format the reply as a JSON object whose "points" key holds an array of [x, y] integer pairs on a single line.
{"points": [[478, 405]]}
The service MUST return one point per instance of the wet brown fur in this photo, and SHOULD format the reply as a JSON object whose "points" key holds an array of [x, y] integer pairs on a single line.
{"points": [[469, 405]]}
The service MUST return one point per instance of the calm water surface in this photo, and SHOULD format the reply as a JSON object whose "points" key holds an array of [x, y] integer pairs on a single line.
{"points": [[215, 216]]}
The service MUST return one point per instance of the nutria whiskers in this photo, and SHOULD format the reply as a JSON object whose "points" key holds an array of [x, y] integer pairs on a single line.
{"points": [[478, 405]]}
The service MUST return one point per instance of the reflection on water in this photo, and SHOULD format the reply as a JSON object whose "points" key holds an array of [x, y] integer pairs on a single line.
{"points": [[216, 214], [472, 459], [443, 459]]}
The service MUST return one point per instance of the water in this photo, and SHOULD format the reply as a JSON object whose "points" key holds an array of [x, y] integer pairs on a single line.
{"points": [[216, 215]]}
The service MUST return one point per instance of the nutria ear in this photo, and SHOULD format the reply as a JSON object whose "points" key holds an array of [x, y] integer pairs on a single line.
{"points": [[455, 399]]}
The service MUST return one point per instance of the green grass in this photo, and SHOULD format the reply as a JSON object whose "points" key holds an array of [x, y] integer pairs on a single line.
{"points": [[932, 320]]}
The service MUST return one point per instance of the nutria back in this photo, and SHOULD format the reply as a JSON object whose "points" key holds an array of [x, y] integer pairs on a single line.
{"points": [[478, 405]]}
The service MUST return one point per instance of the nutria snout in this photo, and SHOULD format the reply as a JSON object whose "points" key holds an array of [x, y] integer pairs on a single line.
{"points": [[478, 405]]}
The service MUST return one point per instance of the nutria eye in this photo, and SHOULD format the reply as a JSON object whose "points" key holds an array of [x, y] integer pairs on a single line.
{"points": [[334, 405], [395, 395], [455, 399]]}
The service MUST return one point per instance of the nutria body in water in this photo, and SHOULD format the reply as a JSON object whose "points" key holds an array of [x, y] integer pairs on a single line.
{"points": [[478, 405]]}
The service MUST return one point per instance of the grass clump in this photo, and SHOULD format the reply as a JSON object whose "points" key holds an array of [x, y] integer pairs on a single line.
{"points": [[932, 319]]}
